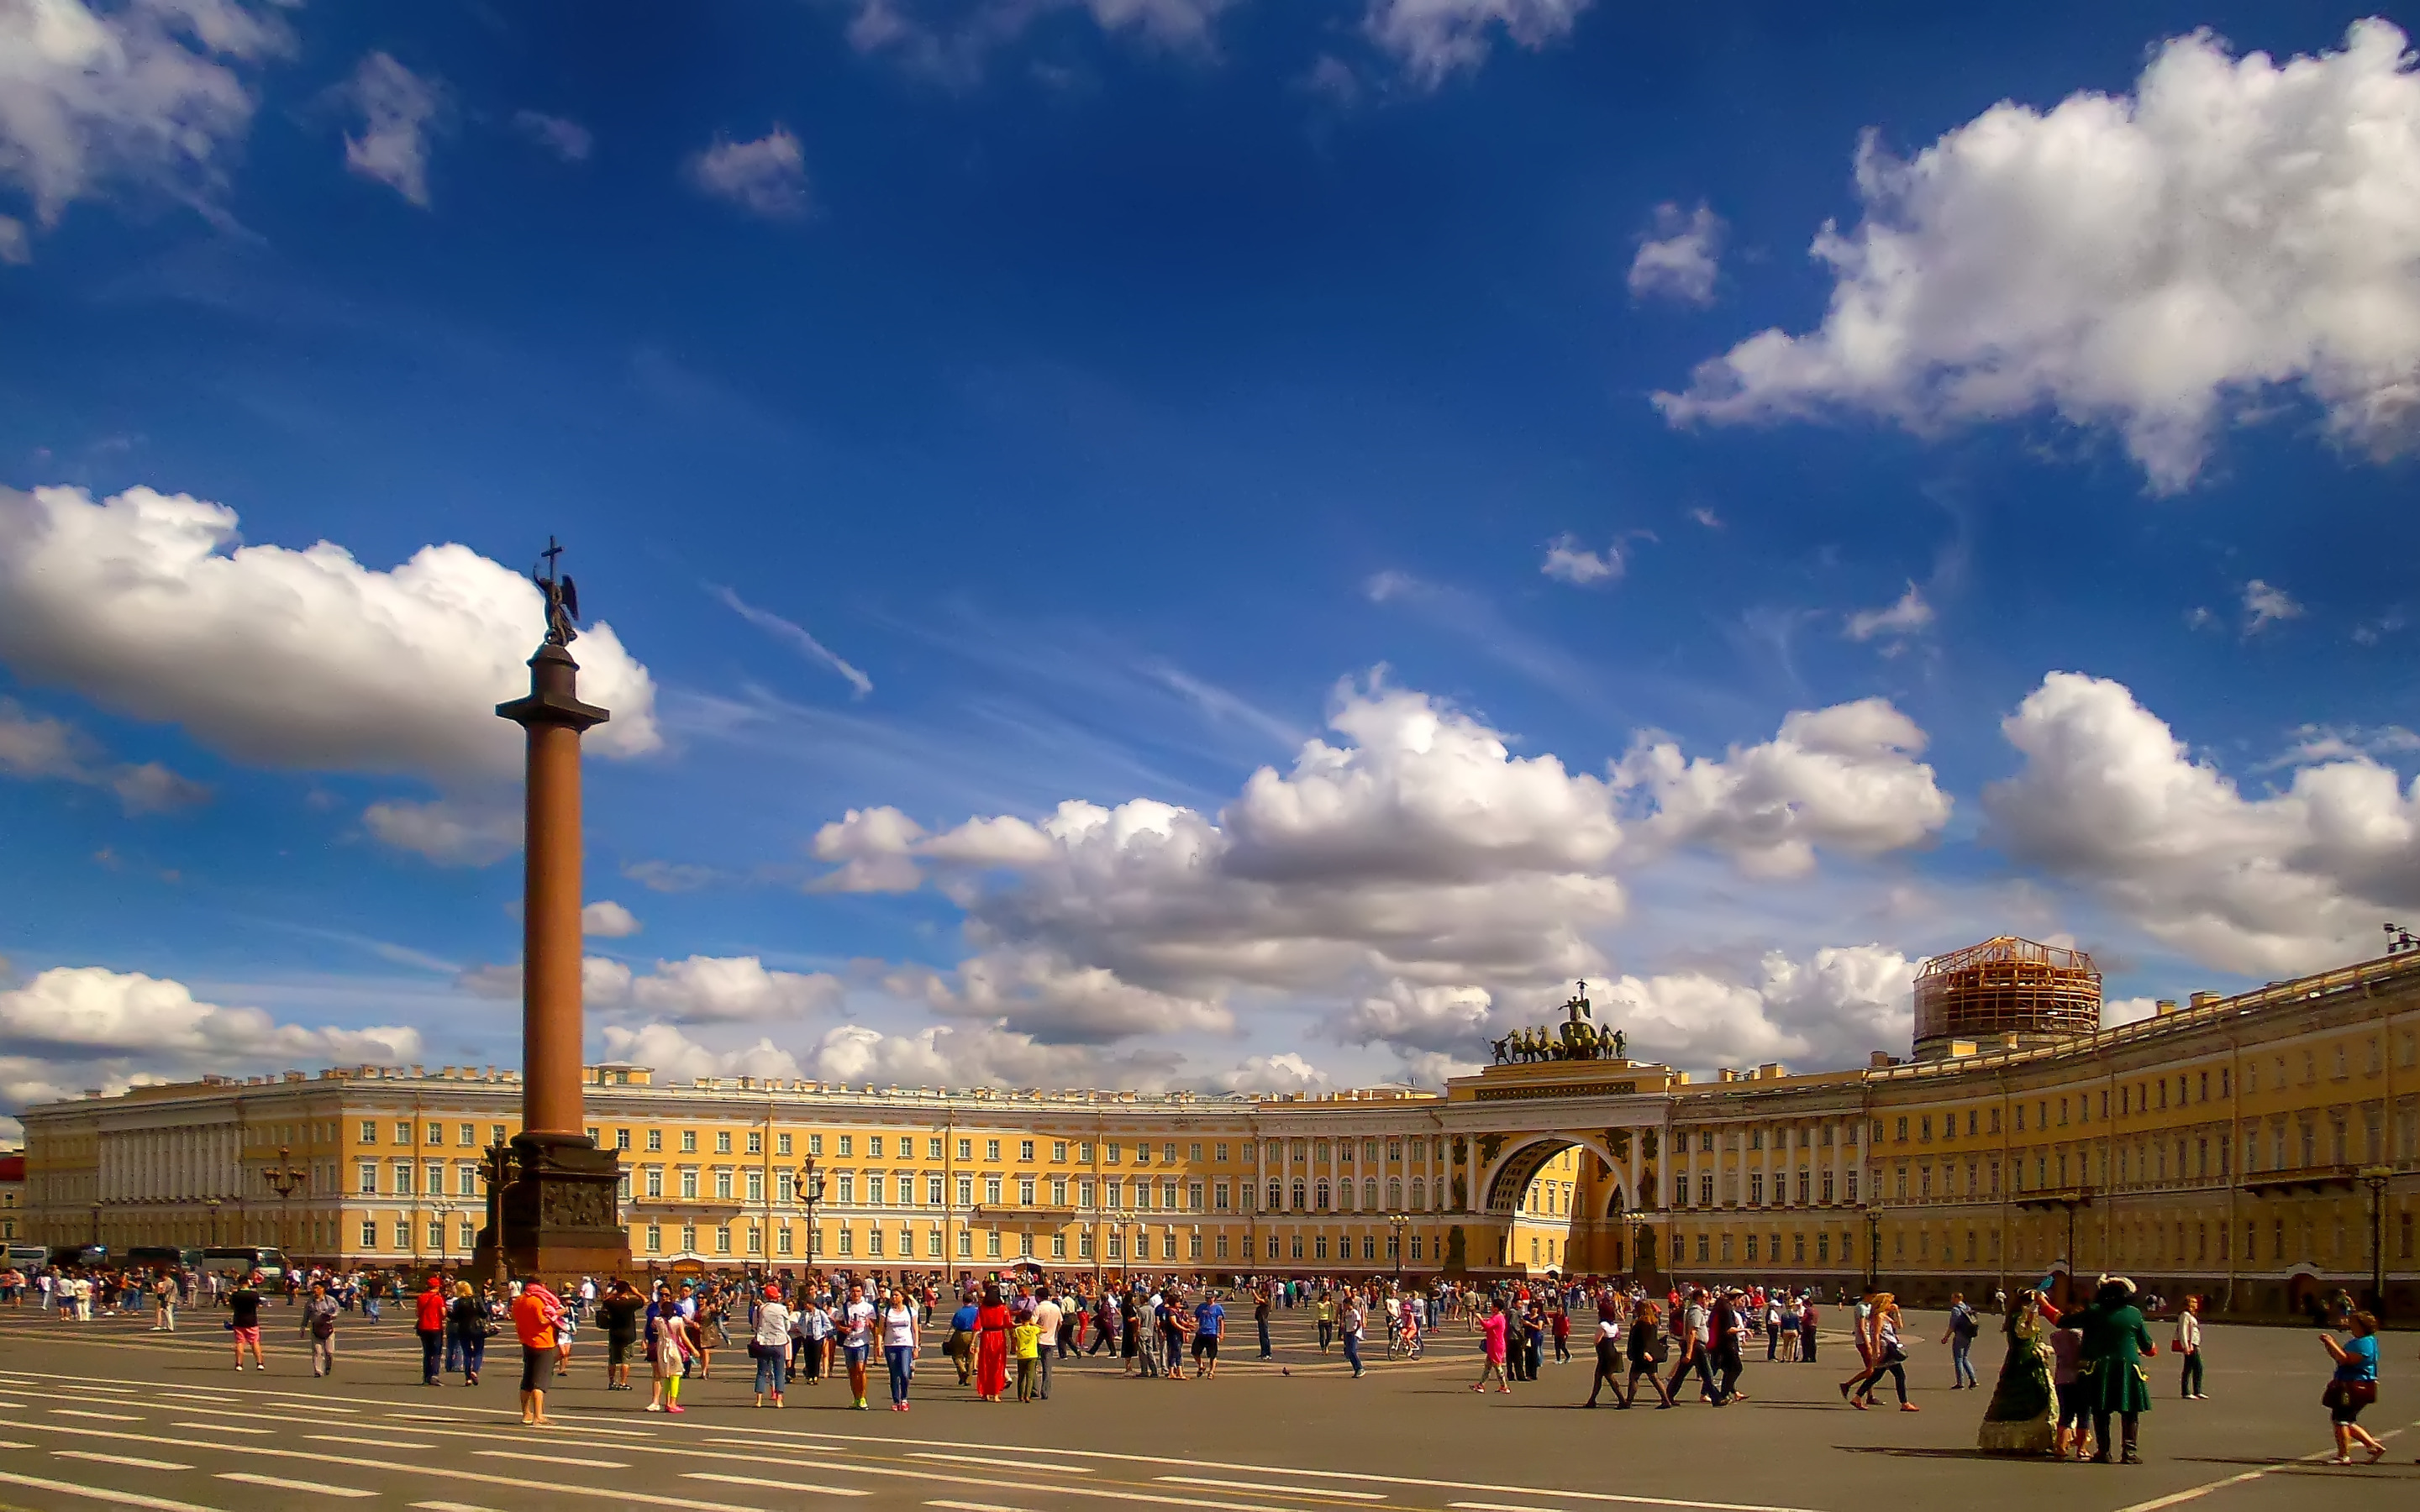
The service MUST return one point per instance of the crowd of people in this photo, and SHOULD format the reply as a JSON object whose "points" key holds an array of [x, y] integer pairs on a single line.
{"points": [[2072, 1384]]}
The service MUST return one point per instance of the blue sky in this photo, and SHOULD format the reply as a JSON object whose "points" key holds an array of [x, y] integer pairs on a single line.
{"points": [[959, 408]]}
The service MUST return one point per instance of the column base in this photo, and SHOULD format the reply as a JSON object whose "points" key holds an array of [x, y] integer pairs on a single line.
{"points": [[561, 1216]]}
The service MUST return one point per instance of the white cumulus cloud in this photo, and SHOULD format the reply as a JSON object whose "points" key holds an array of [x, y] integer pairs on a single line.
{"points": [[37, 748], [1844, 778], [606, 919], [1680, 258], [2145, 261], [448, 831], [300, 660], [399, 110], [955, 50], [152, 94], [1568, 561], [1905, 617], [2265, 604], [1409, 865], [1435, 40], [566, 139], [72, 1027], [766, 176], [2270, 885]]}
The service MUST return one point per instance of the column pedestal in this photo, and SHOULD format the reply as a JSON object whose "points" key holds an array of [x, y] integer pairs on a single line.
{"points": [[560, 1214]]}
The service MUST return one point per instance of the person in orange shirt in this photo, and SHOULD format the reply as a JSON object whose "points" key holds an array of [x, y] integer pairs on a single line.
{"points": [[535, 1313]]}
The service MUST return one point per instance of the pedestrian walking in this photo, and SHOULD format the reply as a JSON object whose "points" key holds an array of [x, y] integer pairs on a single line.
{"points": [[467, 1315], [429, 1323], [1647, 1351], [1493, 1345], [243, 1321], [1959, 1336], [1890, 1356], [320, 1327], [769, 1346], [1608, 1356], [899, 1346], [1260, 1321], [1354, 1321], [2354, 1387], [991, 1345]]}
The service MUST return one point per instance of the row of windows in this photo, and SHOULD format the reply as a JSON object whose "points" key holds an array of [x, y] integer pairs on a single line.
{"points": [[1813, 1186], [874, 1244]]}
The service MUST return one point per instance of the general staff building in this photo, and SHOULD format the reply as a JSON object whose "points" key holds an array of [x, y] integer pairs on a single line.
{"points": [[2257, 1149]]}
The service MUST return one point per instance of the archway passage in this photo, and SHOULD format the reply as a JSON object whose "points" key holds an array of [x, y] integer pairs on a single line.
{"points": [[1557, 1218]]}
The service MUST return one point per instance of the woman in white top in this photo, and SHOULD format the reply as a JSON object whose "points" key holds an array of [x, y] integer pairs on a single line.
{"points": [[899, 1346], [1608, 1349], [771, 1346], [2188, 1345]]}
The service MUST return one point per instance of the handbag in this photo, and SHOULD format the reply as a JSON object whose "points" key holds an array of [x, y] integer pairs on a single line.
{"points": [[2340, 1394]]}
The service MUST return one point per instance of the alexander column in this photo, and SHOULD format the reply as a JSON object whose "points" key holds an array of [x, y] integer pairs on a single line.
{"points": [[558, 1207]]}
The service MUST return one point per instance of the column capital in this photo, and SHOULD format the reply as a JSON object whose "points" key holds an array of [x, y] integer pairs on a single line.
{"points": [[553, 698]]}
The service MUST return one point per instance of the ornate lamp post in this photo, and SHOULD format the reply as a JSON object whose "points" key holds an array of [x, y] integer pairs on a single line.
{"points": [[444, 1222], [1873, 1246], [214, 1222], [2375, 1177], [1399, 1222], [497, 1169], [808, 1185], [285, 1178]]}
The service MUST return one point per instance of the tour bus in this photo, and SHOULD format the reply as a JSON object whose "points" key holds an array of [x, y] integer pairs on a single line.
{"points": [[163, 1257], [66, 1255], [238, 1261], [30, 1258]]}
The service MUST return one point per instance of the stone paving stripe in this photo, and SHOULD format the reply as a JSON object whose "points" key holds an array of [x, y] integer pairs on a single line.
{"points": [[374, 1444], [223, 1428], [105, 1418], [447, 1472], [974, 1507], [314, 1486], [448, 1506], [136, 1461], [1274, 1490], [102, 1493], [552, 1459], [1499, 1506], [1000, 1464], [772, 1485], [2194, 1493]]}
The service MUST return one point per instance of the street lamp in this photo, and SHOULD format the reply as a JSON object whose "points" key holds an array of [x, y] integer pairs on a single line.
{"points": [[96, 1225], [1399, 1222], [285, 1178], [2375, 1178], [807, 1186], [444, 1222], [214, 1222], [1873, 1246]]}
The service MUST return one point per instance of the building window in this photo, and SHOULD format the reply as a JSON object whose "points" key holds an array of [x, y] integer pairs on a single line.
{"points": [[370, 1233], [655, 1140], [781, 1144], [967, 1150], [688, 1185]]}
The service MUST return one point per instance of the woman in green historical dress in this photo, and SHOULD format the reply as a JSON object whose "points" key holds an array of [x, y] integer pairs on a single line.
{"points": [[2115, 1343], [2023, 1418]]}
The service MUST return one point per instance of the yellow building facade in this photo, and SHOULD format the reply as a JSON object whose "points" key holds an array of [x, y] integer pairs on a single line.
{"points": [[2255, 1148]]}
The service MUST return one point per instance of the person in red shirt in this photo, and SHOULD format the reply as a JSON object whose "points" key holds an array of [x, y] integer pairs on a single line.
{"points": [[431, 1327], [535, 1312]]}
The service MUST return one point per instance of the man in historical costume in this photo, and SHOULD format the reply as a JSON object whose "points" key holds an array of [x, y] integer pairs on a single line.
{"points": [[2115, 1344]]}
